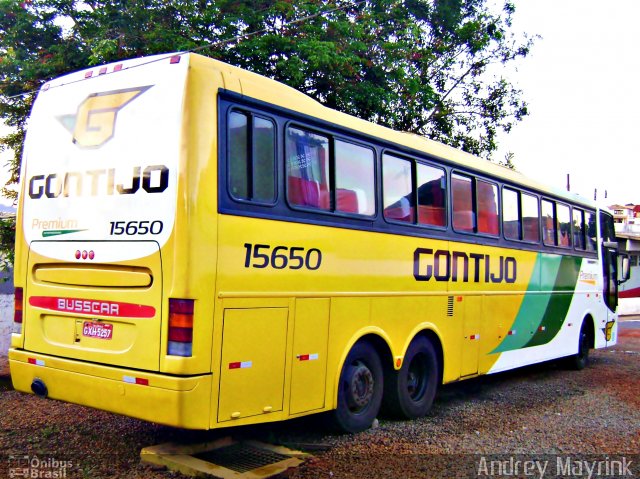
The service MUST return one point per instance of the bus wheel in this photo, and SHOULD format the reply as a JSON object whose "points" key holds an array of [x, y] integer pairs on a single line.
{"points": [[359, 390], [409, 392], [581, 359]]}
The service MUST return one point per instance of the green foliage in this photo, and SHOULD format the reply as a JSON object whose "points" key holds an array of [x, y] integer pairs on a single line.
{"points": [[7, 238], [424, 66]]}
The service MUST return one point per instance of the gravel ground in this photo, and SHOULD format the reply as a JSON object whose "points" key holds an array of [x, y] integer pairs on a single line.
{"points": [[538, 411]]}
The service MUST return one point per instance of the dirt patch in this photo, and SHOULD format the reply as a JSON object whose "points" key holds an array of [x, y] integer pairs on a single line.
{"points": [[4, 366]]}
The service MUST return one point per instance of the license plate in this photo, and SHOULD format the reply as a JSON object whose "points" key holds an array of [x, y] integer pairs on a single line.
{"points": [[92, 329]]}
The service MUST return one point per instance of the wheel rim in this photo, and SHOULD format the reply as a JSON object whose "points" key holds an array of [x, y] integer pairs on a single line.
{"points": [[359, 387], [416, 377]]}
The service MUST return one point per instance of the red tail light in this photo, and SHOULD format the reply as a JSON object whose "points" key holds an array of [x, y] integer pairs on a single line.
{"points": [[17, 310], [180, 327]]}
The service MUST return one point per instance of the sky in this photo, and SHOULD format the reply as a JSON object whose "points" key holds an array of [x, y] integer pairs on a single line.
{"points": [[581, 83]]}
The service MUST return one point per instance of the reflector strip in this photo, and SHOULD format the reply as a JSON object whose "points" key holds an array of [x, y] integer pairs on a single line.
{"points": [[542, 328], [133, 380], [241, 365], [474, 337], [37, 362], [512, 332], [308, 357]]}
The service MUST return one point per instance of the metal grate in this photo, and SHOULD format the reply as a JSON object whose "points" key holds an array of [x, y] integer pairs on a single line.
{"points": [[241, 457], [450, 306]]}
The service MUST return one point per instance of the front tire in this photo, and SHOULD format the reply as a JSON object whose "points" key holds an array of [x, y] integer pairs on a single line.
{"points": [[359, 390], [409, 392], [581, 359]]}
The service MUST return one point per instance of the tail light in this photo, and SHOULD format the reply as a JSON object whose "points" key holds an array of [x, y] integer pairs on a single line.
{"points": [[180, 327], [17, 311]]}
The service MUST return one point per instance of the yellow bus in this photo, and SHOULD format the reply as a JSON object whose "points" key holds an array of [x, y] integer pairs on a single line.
{"points": [[203, 247]]}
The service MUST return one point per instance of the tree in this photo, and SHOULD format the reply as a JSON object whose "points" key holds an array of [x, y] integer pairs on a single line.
{"points": [[423, 66]]}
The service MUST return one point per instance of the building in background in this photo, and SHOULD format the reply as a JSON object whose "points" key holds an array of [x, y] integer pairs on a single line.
{"points": [[626, 217], [627, 224]]}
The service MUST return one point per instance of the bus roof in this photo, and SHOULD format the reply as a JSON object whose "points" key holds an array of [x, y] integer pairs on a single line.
{"points": [[279, 94]]}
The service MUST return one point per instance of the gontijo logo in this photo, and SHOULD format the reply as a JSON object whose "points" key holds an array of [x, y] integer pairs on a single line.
{"points": [[95, 121]]}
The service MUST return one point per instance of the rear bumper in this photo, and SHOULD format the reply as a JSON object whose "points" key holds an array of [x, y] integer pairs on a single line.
{"points": [[175, 401]]}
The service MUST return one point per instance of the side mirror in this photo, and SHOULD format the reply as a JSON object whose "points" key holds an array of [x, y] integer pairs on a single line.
{"points": [[625, 270]]}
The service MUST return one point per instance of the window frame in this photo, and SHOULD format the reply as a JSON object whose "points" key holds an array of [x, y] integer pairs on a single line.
{"points": [[474, 203], [251, 114], [575, 209], [332, 138], [559, 229], [414, 162], [521, 232]]}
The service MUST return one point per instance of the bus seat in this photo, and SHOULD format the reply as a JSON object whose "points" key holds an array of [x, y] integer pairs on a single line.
{"points": [[347, 201], [431, 215], [531, 229], [399, 213], [303, 192], [488, 223], [463, 221]]}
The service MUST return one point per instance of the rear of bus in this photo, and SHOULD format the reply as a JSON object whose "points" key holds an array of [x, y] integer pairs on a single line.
{"points": [[99, 319]]}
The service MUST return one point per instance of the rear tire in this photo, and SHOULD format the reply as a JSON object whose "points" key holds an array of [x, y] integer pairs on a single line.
{"points": [[409, 392], [359, 390], [580, 360]]}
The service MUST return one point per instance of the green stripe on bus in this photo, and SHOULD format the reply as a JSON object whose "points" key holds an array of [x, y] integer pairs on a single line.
{"points": [[554, 316], [48, 233], [533, 304], [545, 305]]}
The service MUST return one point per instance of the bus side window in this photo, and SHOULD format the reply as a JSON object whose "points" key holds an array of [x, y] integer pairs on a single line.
{"points": [[563, 216], [398, 189], [238, 155], [307, 169], [463, 214], [432, 194], [530, 218], [511, 214], [487, 207], [590, 225], [578, 229], [355, 179], [548, 223], [251, 158]]}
